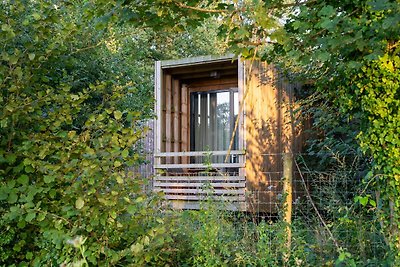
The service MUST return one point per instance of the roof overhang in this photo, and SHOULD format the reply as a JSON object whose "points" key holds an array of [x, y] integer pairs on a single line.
{"points": [[192, 61]]}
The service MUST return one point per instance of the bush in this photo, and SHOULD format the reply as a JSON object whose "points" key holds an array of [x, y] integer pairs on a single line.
{"points": [[66, 145]]}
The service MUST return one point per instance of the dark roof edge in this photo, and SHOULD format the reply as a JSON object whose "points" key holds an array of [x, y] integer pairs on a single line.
{"points": [[173, 63]]}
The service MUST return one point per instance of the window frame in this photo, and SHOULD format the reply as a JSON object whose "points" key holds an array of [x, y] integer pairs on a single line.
{"points": [[232, 119]]}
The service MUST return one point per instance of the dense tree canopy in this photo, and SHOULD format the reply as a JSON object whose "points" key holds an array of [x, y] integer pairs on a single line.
{"points": [[76, 83]]}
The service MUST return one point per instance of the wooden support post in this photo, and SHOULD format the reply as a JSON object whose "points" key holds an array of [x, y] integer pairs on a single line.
{"points": [[176, 118], [242, 113], [184, 123], [158, 110], [168, 120], [287, 191]]}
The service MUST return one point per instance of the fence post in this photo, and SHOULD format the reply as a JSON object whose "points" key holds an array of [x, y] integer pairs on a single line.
{"points": [[287, 191]]}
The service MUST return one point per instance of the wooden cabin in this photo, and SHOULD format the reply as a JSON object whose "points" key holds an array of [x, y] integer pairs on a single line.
{"points": [[222, 128]]}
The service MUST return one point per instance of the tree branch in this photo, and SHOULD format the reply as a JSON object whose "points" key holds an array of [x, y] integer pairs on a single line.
{"points": [[258, 43], [86, 48], [200, 9], [294, 4], [207, 10]]}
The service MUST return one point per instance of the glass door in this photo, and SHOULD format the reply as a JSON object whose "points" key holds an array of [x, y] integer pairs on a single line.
{"points": [[212, 120]]}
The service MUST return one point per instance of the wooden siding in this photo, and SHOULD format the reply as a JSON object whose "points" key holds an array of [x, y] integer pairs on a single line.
{"points": [[269, 133]]}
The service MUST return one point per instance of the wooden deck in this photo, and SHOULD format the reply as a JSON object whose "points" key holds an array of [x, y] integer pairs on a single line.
{"points": [[187, 185]]}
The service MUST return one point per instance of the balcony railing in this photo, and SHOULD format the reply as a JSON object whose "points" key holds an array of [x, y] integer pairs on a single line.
{"points": [[187, 184]]}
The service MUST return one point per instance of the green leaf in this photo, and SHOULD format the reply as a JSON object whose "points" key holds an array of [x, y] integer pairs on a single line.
{"points": [[12, 197], [131, 209], [117, 114], [327, 24], [3, 193], [31, 56], [242, 33], [6, 28], [139, 199], [119, 179], [125, 153], [36, 16], [52, 193], [23, 179], [324, 56], [327, 11], [79, 203], [21, 224], [136, 248], [29, 255], [30, 216], [74, 97], [296, 24], [117, 164], [363, 200], [372, 202], [48, 178], [41, 216], [11, 158]]}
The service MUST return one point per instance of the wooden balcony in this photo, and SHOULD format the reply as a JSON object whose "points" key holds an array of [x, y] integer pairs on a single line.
{"points": [[202, 177]]}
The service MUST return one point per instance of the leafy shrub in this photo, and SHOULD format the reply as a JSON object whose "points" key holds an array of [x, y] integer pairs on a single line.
{"points": [[65, 146]]}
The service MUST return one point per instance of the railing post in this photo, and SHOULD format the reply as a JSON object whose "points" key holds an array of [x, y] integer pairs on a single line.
{"points": [[287, 191]]}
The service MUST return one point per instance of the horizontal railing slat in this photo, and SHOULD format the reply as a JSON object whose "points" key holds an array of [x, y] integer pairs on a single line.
{"points": [[199, 178], [200, 191], [198, 153], [200, 185], [199, 166], [233, 205], [202, 197]]}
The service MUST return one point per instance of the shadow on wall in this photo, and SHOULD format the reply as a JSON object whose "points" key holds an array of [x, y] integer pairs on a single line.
{"points": [[272, 129]]}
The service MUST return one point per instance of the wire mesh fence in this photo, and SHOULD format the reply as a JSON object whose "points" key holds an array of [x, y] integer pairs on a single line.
{"points": [[328, 224]]}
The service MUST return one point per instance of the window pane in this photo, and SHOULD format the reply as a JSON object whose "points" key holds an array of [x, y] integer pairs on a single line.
{"points": [[223, 121], [213, 119]]}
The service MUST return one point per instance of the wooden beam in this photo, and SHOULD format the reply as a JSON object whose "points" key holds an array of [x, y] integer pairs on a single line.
{"points": [[221, 72], [205, 197], [288, 201], [214, 82], [242, 116], [232, 205], [200, 166], [200, 178], [184, 122], [168, 121], [199, 153], [158, 110], [200, 191], [200, 185], [176, 108], [196, 61]]}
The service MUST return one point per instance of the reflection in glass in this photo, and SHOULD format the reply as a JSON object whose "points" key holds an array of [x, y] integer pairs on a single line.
{"points": [[213, 116]]}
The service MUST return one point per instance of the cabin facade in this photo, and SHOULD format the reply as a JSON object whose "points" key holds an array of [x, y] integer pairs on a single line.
{"points": [[222, 128]]}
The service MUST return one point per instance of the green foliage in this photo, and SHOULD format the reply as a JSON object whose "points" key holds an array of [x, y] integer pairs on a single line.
{"points": [[350, 50], [374, 92], [74, 88], [76, 81], [349, 209], [213, 237], [66, 144]]}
